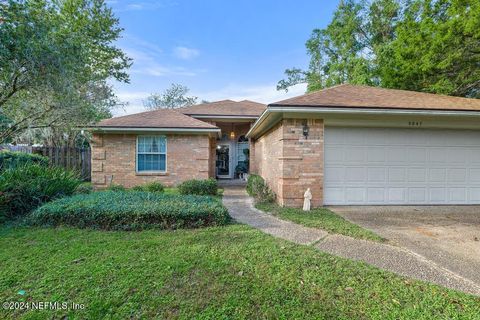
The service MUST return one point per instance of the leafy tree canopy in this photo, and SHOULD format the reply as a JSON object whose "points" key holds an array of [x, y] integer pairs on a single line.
{"points": [[171, 98], [55, 60], [421, 45]]}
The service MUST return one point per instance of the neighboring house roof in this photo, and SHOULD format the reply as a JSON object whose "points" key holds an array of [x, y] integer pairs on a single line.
{"points": [[157, 119], [354, 96], [228, 108]]}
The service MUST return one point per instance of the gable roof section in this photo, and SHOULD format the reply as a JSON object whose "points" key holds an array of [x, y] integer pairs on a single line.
{"points": [[353, 96], [228, 108], [157, 119]]}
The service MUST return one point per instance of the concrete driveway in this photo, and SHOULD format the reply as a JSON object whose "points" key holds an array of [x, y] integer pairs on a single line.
{"points": [[447, 235]]}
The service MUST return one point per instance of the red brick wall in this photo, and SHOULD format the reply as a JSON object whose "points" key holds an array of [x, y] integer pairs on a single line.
{"points": [[266, 158], [114, 160], [291, 163]]}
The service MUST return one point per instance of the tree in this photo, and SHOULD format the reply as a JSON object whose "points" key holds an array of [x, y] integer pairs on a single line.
{"points": [[421, 45], [171, 98], [55, 60]]}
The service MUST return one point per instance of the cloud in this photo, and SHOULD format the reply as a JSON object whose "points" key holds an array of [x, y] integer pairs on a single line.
{"points": [[185, 53], [145, 62], [132, 5], [262, 93]]}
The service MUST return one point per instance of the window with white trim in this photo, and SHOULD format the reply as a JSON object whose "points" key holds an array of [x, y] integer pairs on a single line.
{"points": [[151, 154]]}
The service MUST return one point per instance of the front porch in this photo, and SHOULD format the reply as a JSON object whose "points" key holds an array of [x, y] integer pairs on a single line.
{"points": [[232, 151]]}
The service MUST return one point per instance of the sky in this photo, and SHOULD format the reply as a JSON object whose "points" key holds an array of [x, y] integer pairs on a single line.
{"points": [[220, 49]]}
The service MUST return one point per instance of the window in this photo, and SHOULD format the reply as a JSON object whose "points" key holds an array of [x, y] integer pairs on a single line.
{"points": [[151, 153]]}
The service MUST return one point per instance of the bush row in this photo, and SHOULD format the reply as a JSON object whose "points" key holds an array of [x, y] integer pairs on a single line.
{"points": [[258, 188], [133, 210], [12, 160], [199, 187], [26, 187]]}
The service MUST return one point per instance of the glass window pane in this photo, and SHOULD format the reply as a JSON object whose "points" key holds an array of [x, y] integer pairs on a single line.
{"points": [[141, 162], [162, 144], [150, 157]]}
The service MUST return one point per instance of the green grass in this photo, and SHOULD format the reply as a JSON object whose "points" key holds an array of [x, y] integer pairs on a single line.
{"points": [[232, 272], [320, 218]]}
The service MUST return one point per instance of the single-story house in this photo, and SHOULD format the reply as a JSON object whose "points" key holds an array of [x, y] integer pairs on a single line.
{"points": [[348, 144]]}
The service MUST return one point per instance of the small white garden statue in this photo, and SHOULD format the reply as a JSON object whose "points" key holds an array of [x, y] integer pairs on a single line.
{"points": [[307, 196]]}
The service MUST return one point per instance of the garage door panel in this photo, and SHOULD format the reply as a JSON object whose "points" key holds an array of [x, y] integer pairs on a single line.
{"points": [[376, 195], [401, 166], [416, 155], [438, 195], [417, 195], [333, 153], [396, 174], [437, 175], [436, 155], [456, 175], [376, 174], [474, 175], [416, 175], [357, 174], [334, 175], [355, 195], [458, 195], [396, 195], [397, 154], [474, 194]]}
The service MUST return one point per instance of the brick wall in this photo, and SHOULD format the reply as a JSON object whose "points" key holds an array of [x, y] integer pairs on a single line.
{"points": [[291, 163], [113, 160]]}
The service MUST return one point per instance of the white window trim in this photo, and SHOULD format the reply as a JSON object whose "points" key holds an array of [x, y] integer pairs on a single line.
{"points": [[166, 156]]}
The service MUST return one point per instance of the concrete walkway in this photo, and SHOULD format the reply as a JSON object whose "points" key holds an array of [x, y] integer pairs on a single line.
{"points": [[384, 256]]}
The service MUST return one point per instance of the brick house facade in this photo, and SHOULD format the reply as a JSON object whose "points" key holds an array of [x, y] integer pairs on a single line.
{"points": [[348, 144], [114, 160], [290, 162]]}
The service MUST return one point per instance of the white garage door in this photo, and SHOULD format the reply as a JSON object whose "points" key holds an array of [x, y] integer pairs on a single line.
{"points": [[401, 166]]}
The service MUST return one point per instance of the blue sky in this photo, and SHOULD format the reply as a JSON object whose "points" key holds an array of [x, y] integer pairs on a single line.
{"points": [[219, 49]]}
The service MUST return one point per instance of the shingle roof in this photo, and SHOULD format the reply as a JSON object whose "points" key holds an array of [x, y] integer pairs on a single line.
{"points": [[353, 96], [163, 118], [244, 108]]}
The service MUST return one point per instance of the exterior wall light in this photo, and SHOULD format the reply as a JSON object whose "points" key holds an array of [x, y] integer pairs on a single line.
{"points": [[306, 129]]}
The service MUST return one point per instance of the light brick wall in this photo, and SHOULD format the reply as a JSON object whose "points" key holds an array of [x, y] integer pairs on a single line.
{"points": [[291, 163], [114, 160]]}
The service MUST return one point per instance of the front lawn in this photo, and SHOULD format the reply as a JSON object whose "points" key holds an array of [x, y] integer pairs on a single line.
{"points": [[214, 273], [320, 218]]}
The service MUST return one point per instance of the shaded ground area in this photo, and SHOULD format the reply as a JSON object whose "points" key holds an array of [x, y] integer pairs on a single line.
{"points": [[388, 257], [447, 235]]}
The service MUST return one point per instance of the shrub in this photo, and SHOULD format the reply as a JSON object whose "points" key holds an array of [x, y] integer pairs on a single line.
{"points": [[133, 210], [11, 160], [154, 186], [115, 187], [257, 188], [24, 188], [199, 187], [83, 188]]}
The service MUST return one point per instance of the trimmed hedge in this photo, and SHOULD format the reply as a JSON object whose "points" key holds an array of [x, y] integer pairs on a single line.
{"points": [[12, 160], [131, 210], [199, 187], [150, 187], [258, 188], [24, 188]]}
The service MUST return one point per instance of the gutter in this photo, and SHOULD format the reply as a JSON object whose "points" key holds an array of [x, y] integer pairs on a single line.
{"points": [[276, 109], [140, 129], [215, 116]]}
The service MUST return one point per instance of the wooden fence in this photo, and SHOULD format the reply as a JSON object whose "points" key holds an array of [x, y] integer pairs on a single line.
{"points": [[78, 159]]}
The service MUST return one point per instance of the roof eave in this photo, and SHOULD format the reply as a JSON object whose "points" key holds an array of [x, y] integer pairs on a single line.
{"points": [[120, 129], [267, 120]]}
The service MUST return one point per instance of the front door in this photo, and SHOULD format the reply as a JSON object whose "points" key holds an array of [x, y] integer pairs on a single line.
{"points": [[223, 161]]}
